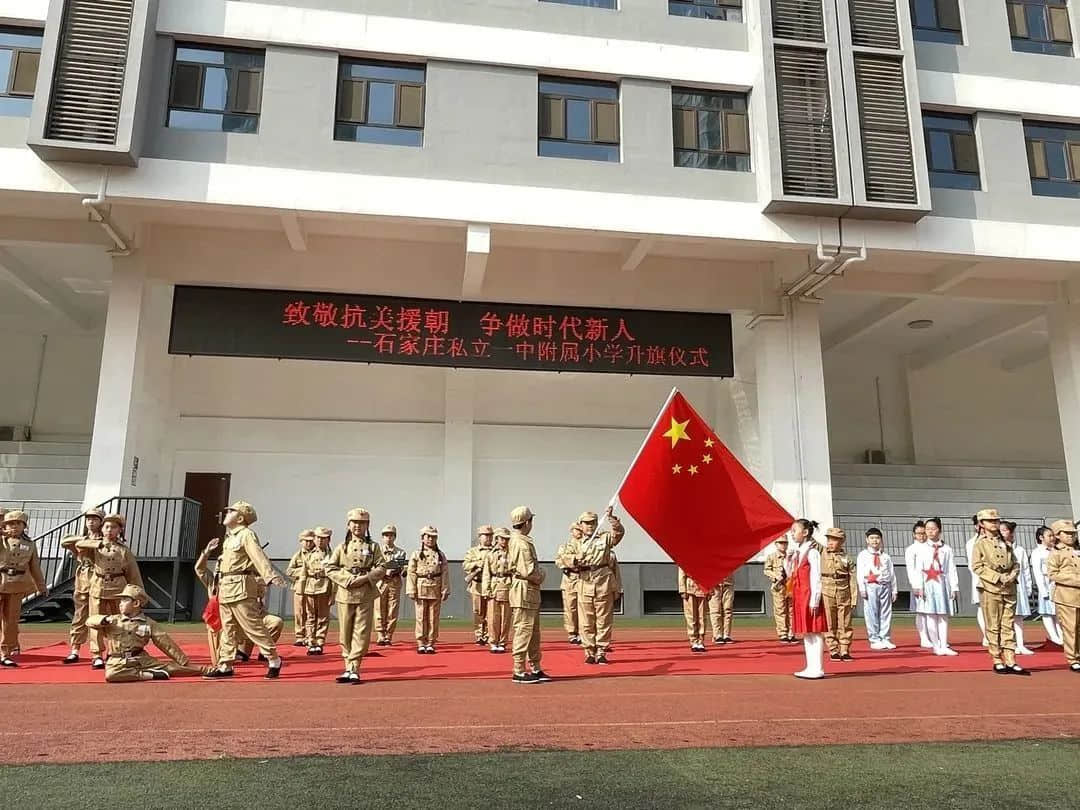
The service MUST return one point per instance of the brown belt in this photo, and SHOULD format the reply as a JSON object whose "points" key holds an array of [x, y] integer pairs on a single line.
{"points": [[429, 576], [13, 572]]}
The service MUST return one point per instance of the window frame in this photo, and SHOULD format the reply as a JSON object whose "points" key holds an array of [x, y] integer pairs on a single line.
{"points": [[952, 133], [938, 33], [1052, 45], [585, 4], [595, 138], [726, 6], [1045, 185], [16, 51], [724, 116], [232, 85], [362, 124]]}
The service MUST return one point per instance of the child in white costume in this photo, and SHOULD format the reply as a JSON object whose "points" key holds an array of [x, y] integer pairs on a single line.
{"points": [[918, 534], [877, 587], [1023, 585], [936, 584], [1044, 539]]}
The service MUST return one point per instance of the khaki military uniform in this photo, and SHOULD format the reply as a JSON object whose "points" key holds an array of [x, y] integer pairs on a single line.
{"points": [[243, 573], [473, 566], [567, 560], [388, 603], [722, 609], [1063, 570], [597, 589], [295, 571], [356, 568], [114, 568], [318, 593], [274, 625], [127, 637], [80, 594], [839, 595], [694, 599], [781, 599], [993, 562], [498, 575], [428, 585], [524, 597], [20, 576]]}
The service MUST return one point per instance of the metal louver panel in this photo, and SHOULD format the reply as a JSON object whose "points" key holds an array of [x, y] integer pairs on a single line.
{"points": [[807, 157], [888, 164], [89, 78], [798, 19], [874, 23]]}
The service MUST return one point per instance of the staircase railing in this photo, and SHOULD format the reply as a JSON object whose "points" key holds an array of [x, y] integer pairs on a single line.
{"points": [[955, 532]]}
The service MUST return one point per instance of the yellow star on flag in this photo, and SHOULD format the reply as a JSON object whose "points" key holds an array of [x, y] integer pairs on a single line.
{"points": [[676, 469], [677, 432], [693, 470], [709, 442], [707, 459]]}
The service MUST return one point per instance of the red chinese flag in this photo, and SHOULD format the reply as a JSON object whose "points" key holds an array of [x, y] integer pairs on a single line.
{"points": [[695, 499], [212, 614]]}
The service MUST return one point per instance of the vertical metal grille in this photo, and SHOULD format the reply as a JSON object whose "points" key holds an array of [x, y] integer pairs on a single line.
{"points": [[888, 164], [798, 19], [89, 78], [874, 23], [807, 156]]}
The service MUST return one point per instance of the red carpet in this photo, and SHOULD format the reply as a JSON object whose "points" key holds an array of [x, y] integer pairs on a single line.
{"points": [[640, 654]]}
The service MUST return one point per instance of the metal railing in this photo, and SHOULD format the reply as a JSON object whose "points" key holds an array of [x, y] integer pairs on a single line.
{"points": [[46, 513], [157, 529], [896, 531]]}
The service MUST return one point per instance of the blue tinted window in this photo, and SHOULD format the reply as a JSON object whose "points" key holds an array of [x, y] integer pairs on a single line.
{"points": [[730, 10], [936, 21], [1040, 26], [215, 89], [1053, 158], [589, 3], [578, 119], [710, 129], [951, 151], [380, 102], [20, 50]]}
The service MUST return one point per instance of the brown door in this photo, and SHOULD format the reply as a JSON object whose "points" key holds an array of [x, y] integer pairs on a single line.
{"points": [[212, 491]]}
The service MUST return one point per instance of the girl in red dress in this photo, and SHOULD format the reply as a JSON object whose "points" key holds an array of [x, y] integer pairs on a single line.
{"points": [[804, 577]]}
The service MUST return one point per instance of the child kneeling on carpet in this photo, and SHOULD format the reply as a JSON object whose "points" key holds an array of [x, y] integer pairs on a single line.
{"points": [[127, 634]]}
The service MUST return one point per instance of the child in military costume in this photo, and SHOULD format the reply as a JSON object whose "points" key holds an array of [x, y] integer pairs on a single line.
{"points": [[722, 610], [388, 604], [525, 598], [839, 593], [80, 594], [295, 571], [20, 576], [997, 571], [473, 566], [318, 591], [695, 600], [496, 585], [567, 559], [597, 584], [356, 567], [776, 573], [1063, 568], [428, 586], [1023, 586], [114, 568], [127, 633]]}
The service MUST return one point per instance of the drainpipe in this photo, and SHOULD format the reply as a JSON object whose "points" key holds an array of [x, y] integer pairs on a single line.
{"points": [[838, 271], [825, 263], [99, 213]]}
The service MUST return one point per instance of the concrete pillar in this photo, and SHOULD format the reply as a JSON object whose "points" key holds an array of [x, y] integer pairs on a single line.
{"points": [[793, 432], [1065, 359]]}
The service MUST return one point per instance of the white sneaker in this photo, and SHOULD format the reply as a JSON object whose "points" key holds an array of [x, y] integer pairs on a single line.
{"points": [[946, 651], [809, 676], [985, 642], [926, 645], [888, 645], [1024, 651]]}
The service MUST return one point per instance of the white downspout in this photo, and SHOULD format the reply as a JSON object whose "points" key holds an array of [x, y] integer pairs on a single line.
{"points": [[94, 206]]}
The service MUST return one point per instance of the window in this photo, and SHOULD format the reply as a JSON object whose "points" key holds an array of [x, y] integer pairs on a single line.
{"points": [[1053, 159], [20, 51], [579, 119], [730, 10], [1040, 26], [711, 130], [380, 102], [951, 152], [937, 21], [589, 3], [216, 89]]}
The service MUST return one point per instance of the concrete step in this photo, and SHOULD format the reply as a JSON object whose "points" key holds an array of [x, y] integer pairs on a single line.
{"points": [[948, 482], [884, 495], [43, 461], [951, 471], [907, 510], [47, 448], [41, 492], [41, 475]]}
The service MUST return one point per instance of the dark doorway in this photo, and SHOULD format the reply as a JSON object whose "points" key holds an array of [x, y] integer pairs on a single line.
{"points": [[212, 491]]}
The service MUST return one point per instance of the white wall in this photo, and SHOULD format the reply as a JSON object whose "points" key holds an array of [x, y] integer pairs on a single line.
{"points": [[69, 380], [852, 404]]}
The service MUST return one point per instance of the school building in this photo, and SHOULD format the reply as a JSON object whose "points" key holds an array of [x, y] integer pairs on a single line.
{"points": [[439, 258]]}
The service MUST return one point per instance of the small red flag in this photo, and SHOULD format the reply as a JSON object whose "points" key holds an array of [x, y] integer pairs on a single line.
{"points": [[212, 614], [694, 498]]}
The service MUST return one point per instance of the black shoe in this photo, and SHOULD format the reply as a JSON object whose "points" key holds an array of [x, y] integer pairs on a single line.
{"points": [[430, 649], [72, 659], [421, 650], [846, 657], [1016, 669], [97, 663], [272, 672], [217, 673], [1075, 668], [1001, 669], [7, 662], [312, 650], [354, 679], [481, 643], [299, 643], [541, 676], [525, 677], [590, 659], [262, 659], [159, 674], [729, 640], [834, 657], [718, 640], [602, 659], [242, 657], [345, 677]]}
